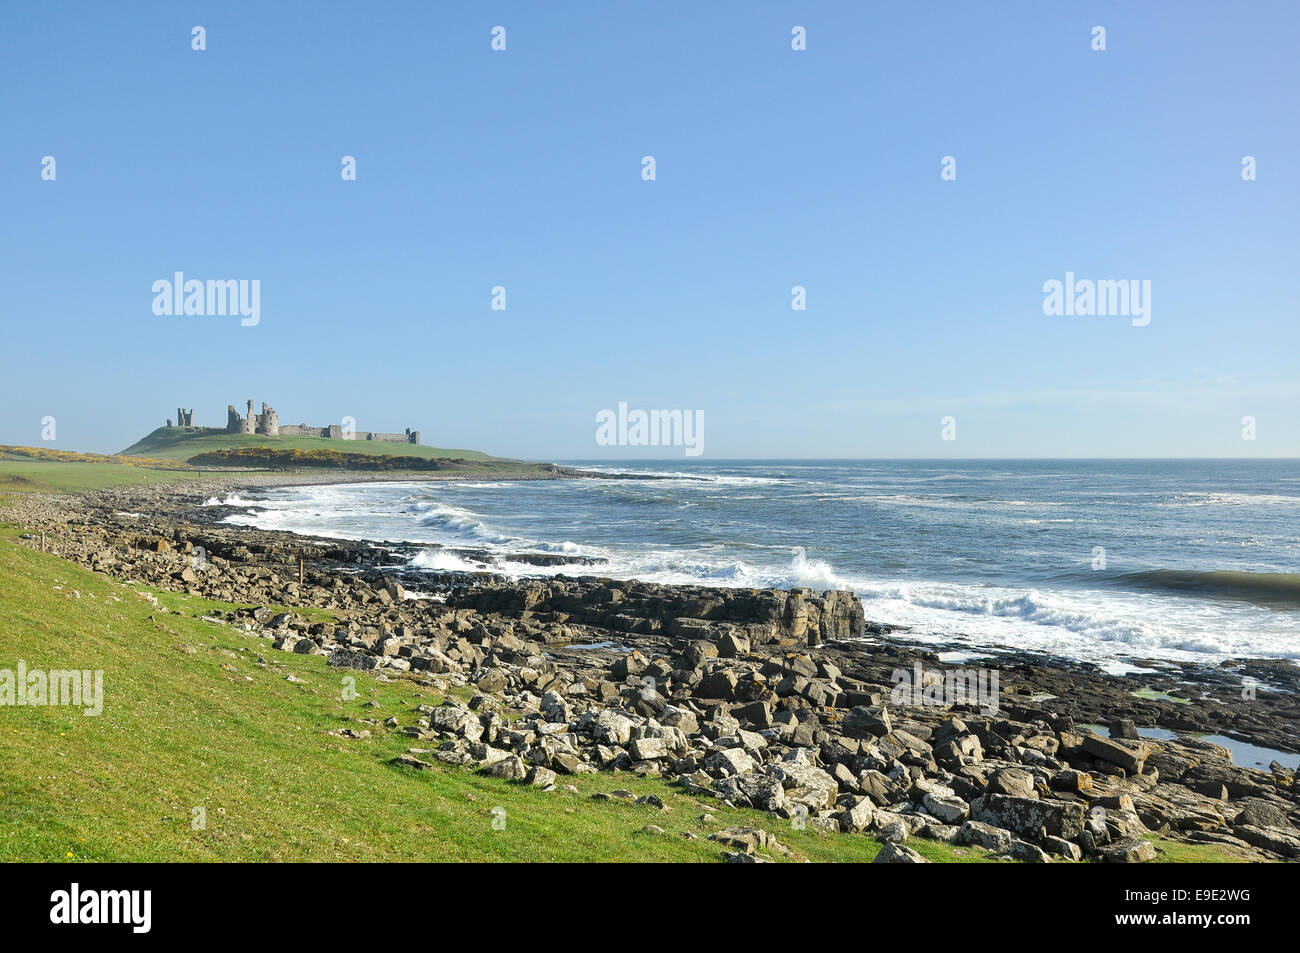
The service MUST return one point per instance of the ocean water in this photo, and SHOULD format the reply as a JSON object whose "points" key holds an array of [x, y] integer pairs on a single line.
{"points": [[1104, 561]]}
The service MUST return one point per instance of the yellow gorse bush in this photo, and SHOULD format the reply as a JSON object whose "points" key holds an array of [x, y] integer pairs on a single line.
{"points": [[277, 457]]}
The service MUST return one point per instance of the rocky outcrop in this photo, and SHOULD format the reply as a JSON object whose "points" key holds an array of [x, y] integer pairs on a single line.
{"points": [[732, 620]]}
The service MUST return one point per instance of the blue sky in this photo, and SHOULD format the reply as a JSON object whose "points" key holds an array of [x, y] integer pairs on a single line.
{"points": [[775, 168]]}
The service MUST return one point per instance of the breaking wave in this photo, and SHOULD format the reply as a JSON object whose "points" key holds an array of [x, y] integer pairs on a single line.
{"points": [[989, 557]]}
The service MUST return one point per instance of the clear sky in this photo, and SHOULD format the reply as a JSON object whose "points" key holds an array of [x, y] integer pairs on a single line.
{"points": [[774, 168]]}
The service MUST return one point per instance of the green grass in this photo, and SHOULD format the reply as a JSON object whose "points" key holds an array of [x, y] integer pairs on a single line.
{"points": [[1179, 852], [177, 443], [41, 476], [192, 719]]}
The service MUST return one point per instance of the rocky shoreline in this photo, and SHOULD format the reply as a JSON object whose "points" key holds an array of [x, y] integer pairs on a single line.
{"points": [[790, 701]]}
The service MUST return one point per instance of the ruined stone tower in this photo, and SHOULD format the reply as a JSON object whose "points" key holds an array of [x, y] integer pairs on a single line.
{"points": [[236, 423], [268, 421]]}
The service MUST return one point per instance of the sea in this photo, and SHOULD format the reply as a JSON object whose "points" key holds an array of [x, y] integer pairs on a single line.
{"points": [[1110, 562]]}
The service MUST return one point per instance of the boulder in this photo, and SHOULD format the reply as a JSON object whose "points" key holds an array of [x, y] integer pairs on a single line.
{"points": [[898, 854], [890, 828], [1029, 818], [540, 777], [1278, 840], [508, 769], [732, 645], [1127, 850], [1062, 848], [680, 718], [856, 816], [867, 722], [744, 839], [647, 749], [757, 714], [1016, 782], [611, 727], [720, 683], [1027, 853], [729, 761], [979, 834], [1124, 729], [1260, 813], [1130, 757], [752, 789], [881, 789], [805, 784], [949, 810]]}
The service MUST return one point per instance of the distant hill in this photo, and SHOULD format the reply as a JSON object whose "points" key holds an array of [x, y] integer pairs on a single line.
{"points": [[182, 443]]}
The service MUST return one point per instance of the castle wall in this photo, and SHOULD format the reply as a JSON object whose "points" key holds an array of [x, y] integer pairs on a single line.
{"points": [[268, 424], [306, 430]]}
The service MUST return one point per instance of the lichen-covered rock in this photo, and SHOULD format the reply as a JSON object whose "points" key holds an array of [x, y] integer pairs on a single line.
{"points": [[1030, 818], [898, 854]]}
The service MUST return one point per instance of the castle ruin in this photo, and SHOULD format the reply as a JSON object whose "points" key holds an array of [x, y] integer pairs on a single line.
{"points": [[267, 424]]}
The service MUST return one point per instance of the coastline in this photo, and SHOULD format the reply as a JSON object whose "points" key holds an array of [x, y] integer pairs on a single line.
{"points": [[802, 670], [172, 508], [272, 478]]}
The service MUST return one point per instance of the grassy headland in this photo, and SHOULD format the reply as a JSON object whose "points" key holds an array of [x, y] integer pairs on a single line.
{"points": [[182, 443], [183, 453]]}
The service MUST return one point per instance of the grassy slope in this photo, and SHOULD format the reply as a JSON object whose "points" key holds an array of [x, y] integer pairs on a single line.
{"points": [[175, 443], [191, 719]]}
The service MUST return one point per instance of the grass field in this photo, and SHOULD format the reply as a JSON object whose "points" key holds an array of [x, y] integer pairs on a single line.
{"points": [[177, 443], [193, 719], [41, 476]]}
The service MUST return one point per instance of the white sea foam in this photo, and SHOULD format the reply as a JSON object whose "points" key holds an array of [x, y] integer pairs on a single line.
{"points": [[439, 560], [1234, 499], [623, 523], [230, 499]]}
